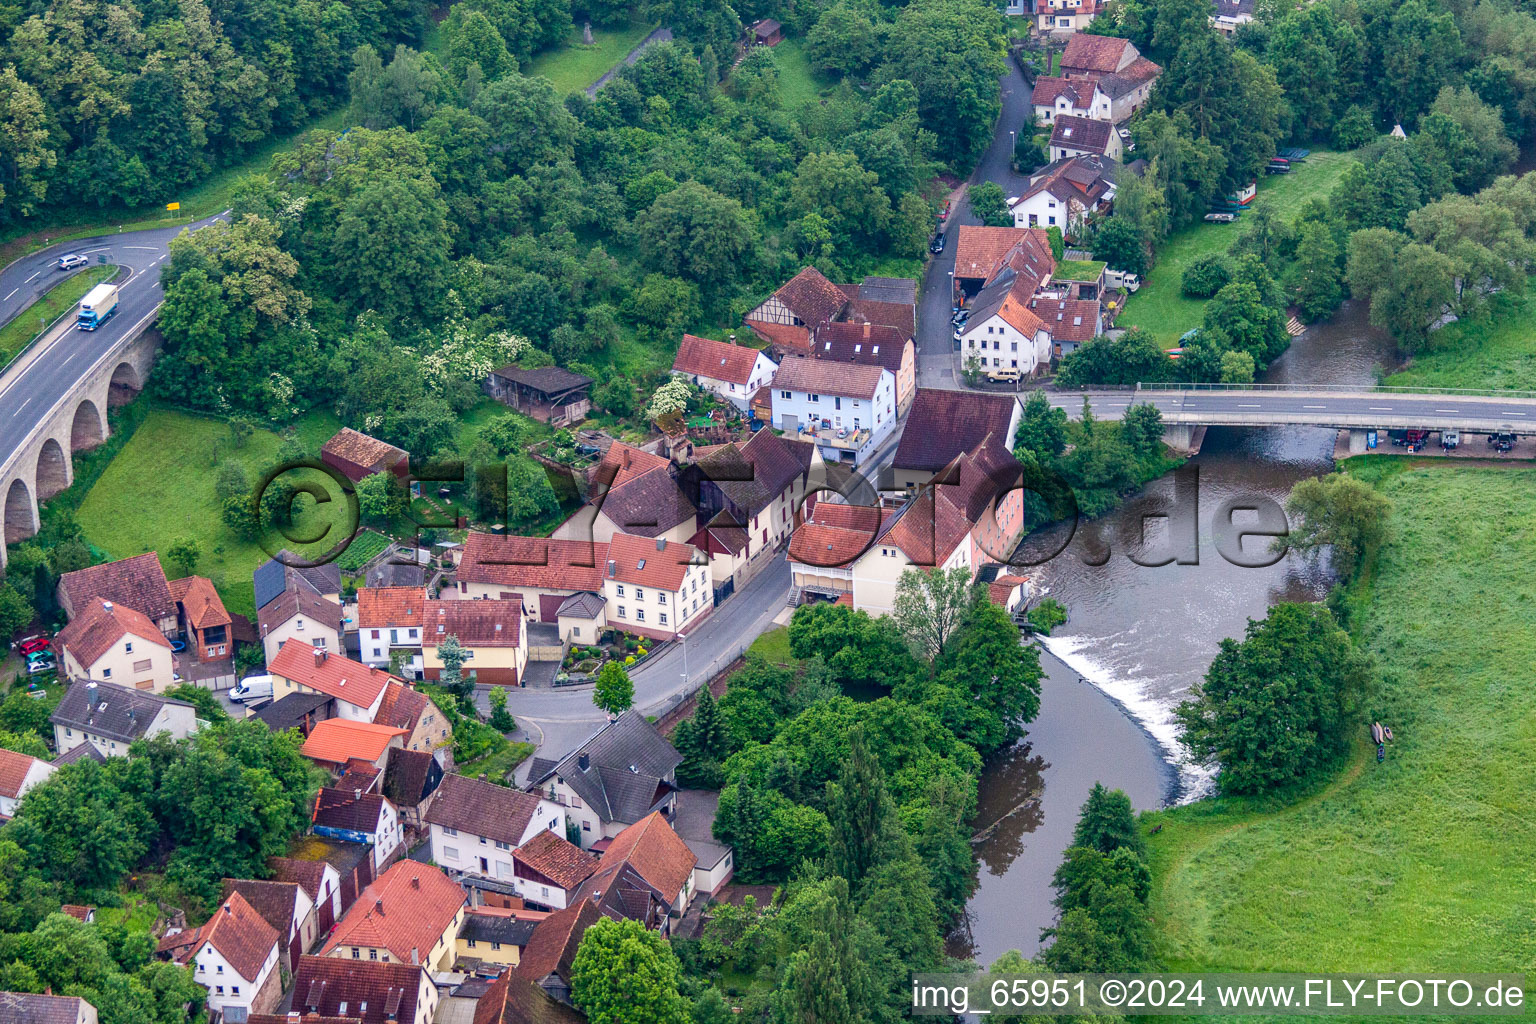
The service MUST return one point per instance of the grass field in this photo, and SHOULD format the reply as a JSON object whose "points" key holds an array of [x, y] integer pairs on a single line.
{"points": [[573, 65], [160, 488], [27, 324], [1160, 307], [799, 83], [1497, 353], [1423, 862]]}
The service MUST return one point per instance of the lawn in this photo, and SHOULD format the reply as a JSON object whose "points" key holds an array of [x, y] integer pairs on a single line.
{"points": [[53, 303], [160, 488], [1423, 862], [773, 646], [1496, 353], [573, 65], [1160, 307], [799, 82]]}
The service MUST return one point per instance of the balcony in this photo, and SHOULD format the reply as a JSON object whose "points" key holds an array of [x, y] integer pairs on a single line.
{"points": [[846, 438]]}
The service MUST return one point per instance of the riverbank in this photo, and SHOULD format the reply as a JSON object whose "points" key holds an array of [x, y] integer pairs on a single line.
{"points": [[1422, 862]]}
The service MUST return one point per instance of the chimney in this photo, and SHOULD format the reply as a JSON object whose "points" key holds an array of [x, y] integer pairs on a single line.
{"points": [[415, 956], [415, 881], [90, 693], [661, 543], [733, 339], [482, 776], [106, 606], [319, 656], [357, 794], [378, 905], [583, 762], [294, 1015], [227, 911], [866, 329]]}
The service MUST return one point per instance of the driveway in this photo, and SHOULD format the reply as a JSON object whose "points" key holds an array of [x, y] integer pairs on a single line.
{"points": [[938, 363]]}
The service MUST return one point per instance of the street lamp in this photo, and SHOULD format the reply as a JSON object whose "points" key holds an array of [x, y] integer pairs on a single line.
{"points": [[683, 639]]}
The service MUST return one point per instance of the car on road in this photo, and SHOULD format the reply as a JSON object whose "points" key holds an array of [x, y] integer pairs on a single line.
{"points": [[32, 644], [70, 261], [937, 245]]}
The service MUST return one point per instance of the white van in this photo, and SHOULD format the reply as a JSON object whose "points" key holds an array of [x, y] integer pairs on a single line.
{"points": [[252, 688], [1122, 279]]}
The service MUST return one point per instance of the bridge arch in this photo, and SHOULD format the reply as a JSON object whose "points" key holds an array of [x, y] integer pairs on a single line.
{"points": [[20, 512], [88, 429], [126, 384], [53, 470]]}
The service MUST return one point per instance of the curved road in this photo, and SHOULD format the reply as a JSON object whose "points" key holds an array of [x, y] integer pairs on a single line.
{"points": [[44, 376]]}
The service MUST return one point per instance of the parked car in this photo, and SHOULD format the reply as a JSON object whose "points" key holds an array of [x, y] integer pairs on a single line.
{"points": [[1503, 441], [32, 644], [1221, 218], [252, 688], [39, 662], [1415, 439], [960, 318], [956, 336], [1009, 376], [70, 261], [937, 245]]}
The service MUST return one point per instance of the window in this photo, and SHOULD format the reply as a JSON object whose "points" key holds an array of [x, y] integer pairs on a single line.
{"points": [[814, 398], [470, 943], [1013, 347], [373, 954], [219, 989], [545, 890], [503, 846], [414, 633], [662, 597], [106, 673], [575, 801], [497, 945], [355, 954], [219, 969], [586, 826], [620, 589], [639, 593], [663, 618], [375, 634], [128, 647], [837, 402], [69, 732], [784, 394], [639, 614], [234, 989], [200, 968], [299, 627], [621, 612], [1051, 219], [143, 666], [450, 831]]}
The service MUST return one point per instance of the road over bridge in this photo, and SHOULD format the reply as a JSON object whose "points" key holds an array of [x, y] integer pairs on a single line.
{"points": [[54, 397], [1186, 407]]}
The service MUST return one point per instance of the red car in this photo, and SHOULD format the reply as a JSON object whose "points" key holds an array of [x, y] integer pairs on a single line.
{"points": [[33, 644]]}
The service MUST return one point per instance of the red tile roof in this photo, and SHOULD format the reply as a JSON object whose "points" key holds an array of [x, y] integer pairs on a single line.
{"points": [[335, 676], [298, 601], [833, 535], [276, 902], [820, 376], [363, 450], [866, 343], [901, 316], [200, 601], [336, 740], [811, 297], [552, 948], [1068, 319], [138, 583], [982, 251], [390, 606], [649, 504], [621, 463], [649, 563], [1048, 88], [475, 623], [1002, 588], [13, 772], [655, 851], [77, 911], [482, 809], [716, 359], [401, 706], [514, 562], [95, 628], [409, 907], [556, 858], [376, 992], [943, 423], [239, 934], [1086, 52], [790, 337], [928, 529]]}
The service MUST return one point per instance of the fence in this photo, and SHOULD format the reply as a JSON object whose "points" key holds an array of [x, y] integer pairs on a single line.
{"points": [[675, 704], [1352, 389]]}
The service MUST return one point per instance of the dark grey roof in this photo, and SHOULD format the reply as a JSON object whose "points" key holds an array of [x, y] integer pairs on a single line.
{"points": [[119, 712], [73, 754], [289, 712], [411, 777], [585, 605], [494, 928], [889, 289], [272, 577], [629, 765], [268, 579], [396, 574], [551, 380], [30, 1008]]}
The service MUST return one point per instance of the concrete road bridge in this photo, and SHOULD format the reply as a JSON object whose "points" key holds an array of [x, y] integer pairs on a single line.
{"points": [[54, 396], [1187, 407]]}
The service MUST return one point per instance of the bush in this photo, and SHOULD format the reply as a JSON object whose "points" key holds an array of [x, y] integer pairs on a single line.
{"points": [[1206, 276], [1046, 616]]}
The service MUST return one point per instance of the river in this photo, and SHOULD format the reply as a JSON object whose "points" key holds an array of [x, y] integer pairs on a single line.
{"points": [[1137, 638]]}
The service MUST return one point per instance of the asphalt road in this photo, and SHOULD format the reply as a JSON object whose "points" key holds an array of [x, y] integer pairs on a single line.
{"points": [[936, 362], [1321, 407], [28, 394]]}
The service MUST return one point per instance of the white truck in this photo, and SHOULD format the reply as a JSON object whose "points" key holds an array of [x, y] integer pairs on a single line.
{"points": [[1122, 279], [98, 306]]}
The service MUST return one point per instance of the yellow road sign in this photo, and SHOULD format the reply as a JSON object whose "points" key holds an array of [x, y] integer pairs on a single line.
{"points": [[173, 206]]}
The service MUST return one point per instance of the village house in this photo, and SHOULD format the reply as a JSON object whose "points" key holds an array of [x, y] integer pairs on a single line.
{"points": [[34, 1008], [750, 495], [476, 825], [18, 773], [871, 345], [110, 717], [645, 875], [426, 728], [336, 742], [236, 956], [202, 619], [331, 990], [1060, 17], [654, 588], [389, 621], [1082, 136], [623, 772], [350, 816], [409, 915], [731, 371], [410, 782], [787, 318], [1054, 95], [847, 409], [115, 644], [138, 583], [287, 908], [548, 870], [581, 618], [1119, 69], [358, 688], [494, 936], [631, 491], [548, 394], [1071, 322], [540, 573], [1003, 333], [546, 960], [402, 624], [321, 882], [299, 613], [301, 711], [1230, 15], [1064, 193], [356, 455], [944, 424], [513, 999], [981, 253]]}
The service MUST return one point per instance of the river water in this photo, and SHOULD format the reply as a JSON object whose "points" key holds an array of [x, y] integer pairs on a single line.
{"points": [[1138, 637]]}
